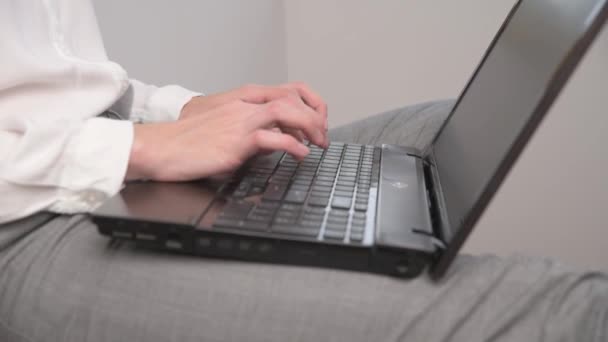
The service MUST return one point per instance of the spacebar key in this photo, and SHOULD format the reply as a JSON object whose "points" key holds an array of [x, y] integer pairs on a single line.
{"points": [[295, 230]]}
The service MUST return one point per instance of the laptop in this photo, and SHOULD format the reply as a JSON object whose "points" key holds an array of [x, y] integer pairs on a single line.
{"points": [[383, 209]]}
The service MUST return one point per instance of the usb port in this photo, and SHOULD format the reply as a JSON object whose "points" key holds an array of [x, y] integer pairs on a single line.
{"points": [[145, 236], [122, 235]]}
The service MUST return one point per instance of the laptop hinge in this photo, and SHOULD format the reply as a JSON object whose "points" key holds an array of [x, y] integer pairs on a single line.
{"points": [[436, 208], [437, 237]]}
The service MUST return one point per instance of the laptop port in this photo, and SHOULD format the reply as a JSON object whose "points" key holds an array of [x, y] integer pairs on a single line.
{"points": [[224, 244], [245, 245], [121, 234], [204, 242], [264, 247], [402, 267], [174, 241], [145, 236]]}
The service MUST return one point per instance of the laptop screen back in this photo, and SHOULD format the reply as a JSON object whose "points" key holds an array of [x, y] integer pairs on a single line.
{"points": [[503, 96]]}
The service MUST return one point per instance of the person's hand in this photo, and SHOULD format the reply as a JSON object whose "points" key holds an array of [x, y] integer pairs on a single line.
{"points": [[258, 94], [218, 136]]}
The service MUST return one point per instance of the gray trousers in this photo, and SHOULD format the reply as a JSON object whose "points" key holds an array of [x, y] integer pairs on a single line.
{"points": [[61, 281]]}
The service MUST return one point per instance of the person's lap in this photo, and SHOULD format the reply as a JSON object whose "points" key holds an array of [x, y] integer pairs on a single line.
{"points": [[64, 282]]}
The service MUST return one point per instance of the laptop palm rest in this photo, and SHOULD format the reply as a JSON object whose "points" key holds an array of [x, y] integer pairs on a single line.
{"points": [[403, 210]]}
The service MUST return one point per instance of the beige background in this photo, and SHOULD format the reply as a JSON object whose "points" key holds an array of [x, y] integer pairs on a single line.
{"points": [[368, 56]]}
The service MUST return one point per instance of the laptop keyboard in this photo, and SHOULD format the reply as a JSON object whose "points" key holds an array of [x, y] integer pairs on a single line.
{"points": [[325, 196]]}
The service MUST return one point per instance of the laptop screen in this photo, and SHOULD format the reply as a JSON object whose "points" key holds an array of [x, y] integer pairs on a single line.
{"points": [[503, 96]]}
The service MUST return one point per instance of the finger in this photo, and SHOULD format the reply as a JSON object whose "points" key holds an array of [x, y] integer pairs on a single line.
{"points": [[268, 140], [296, 133], [310, 97], [287, 113], [260, 94]]}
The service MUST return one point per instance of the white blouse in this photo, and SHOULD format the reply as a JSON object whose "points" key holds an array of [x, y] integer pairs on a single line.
{"points": [[55, 79]]}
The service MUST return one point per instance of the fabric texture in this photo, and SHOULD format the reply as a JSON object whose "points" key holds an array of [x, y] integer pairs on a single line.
{"points": [[62, 281], [55, 78]]}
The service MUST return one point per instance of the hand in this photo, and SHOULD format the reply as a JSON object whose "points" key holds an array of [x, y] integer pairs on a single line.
{"points": [[257, 94], [218, 136]]}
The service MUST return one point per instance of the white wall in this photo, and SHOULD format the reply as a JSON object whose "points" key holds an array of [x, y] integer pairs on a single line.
{"points": [[369, 56], [205, 45]]}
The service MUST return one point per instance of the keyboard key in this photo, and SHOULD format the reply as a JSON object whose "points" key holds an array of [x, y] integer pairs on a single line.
{"points": [[260, 180], [288, 213], [330, 174], [325, 194], [255, 190], [304, 173], [358, 222], [319, 187], [343, 193], [290, 207], [362, 199], [342, 221], [260, 217], [282, 180], [359, 216], [228, 222], [334, 235], [301, 187], [301, 181], [285, 220], [314, 210], [268, 205], [311, 223], [255, 225], [345, 183], [341, 202], [339, 212], [274, 192], [357, 237], [296, 196], [361, 206], [344, 173], [294, 230], [357, 229], [268, 161], [237, 209], [243, 187], [313, 216], [319, 183], [318, 201]]}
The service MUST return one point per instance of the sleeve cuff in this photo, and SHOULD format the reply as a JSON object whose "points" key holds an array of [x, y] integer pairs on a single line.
{"points": [[97, 160], [166, 103]]}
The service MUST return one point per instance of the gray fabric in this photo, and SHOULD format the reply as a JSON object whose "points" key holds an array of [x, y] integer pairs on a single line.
{"points": [[62, 281], [413, 126]]}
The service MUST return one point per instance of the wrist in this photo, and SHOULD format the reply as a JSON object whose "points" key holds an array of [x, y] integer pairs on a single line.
{"points": [[136, 167]]}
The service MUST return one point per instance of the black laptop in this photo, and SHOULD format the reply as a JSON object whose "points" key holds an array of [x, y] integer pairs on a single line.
{"points": [[383, 209]]}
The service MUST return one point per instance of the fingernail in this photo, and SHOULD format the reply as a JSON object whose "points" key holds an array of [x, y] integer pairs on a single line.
{"points": [[305, 151], [320, 137]]}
